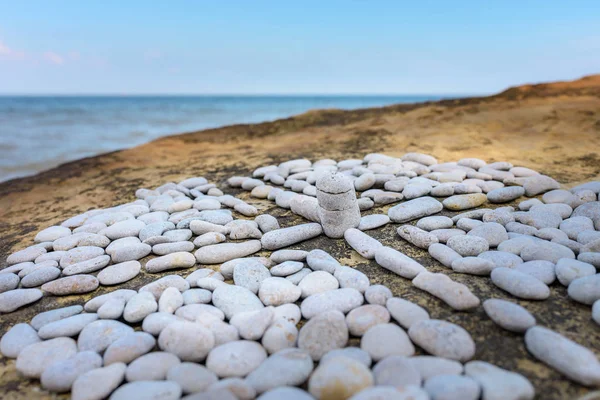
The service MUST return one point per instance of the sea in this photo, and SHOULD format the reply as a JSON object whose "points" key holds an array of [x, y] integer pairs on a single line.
{"points": [[41, 132]]}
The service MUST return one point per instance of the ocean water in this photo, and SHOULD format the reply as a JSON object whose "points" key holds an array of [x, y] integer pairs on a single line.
{"points": [[38, 133]]}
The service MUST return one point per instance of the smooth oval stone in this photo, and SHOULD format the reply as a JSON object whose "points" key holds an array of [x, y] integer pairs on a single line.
{"points": [[396, 371], [317, 282], [159, 286], [40, 276], [98, 335], [222, 252], [564, 355], [156, 322], [277, 291], [455, 294], [195, 312], [452, 387], [319, 260], [8, 281], [251, 325], [417, 236], [492, 232], [54, 315], [128, 348], [16, 339], [585, 290], [139, 306], [342, 300], [79, 254], [28, 254], [119, 273], [98, 383], [250, 274], [351, 278], [282, 334], [461, 202], [341, 376], [76, 284], [112, 309], [289, 312], [235, 359], [397, 262], [87, 266], [443, 339], [497, 383], [354, 353], [234, 299], [405, 312], [286, 268], [539, 184], [94, 304], [473, 266], [187, 340], [443, 254], [170, 300], [414, 209], [322, 333], [520, 284], [567, 270], [466, 245], [284, 237], [151, 367], [373, 221], [192, 377], [17, 298], [383, 340], [51, 234], [505, 194], [289, 367], [436, 222], [131, 252], [430, 366], [361, 319], [59, 376], [266, 223], [123, 229], [163, 249], [175, 260], [364, 244], [508, 315], [197, 296], [377, 294], [70, 326], [31, 268], [209, 238], [150, 390], [280, 256], [542, 270], [35, 358], [193, 278], [501, 259]]}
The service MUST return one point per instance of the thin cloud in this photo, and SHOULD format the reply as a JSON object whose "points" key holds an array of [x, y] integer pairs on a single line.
{"points": [[7, 53], [54, 58]]}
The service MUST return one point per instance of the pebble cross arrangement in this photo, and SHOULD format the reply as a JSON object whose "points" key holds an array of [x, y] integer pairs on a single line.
{"points": [[238, 326]]}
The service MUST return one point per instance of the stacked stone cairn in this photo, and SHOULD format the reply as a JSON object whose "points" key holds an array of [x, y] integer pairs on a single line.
{"points": [[237, 326]]}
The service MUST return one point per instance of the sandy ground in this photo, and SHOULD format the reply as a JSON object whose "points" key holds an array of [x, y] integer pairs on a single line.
{"points": [[553, 128]]}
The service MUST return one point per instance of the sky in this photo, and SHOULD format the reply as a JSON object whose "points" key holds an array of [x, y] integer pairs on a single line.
{"points": [[293, 47]]}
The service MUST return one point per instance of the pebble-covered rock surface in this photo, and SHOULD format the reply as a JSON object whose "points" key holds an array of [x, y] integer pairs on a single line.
{"points": [[239, 303]]}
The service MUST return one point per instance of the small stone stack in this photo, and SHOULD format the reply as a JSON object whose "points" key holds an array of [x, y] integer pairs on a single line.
{"points": [[338, 207]]}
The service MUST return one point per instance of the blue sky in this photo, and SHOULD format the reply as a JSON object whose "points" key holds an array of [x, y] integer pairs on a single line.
{"points": [[254, 47]]}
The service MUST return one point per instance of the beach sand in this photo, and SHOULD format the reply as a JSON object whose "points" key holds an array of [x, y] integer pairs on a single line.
{"points": [[553, 128]]}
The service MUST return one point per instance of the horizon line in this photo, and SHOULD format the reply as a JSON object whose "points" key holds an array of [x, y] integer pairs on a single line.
{"points": [[232, 94]]}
